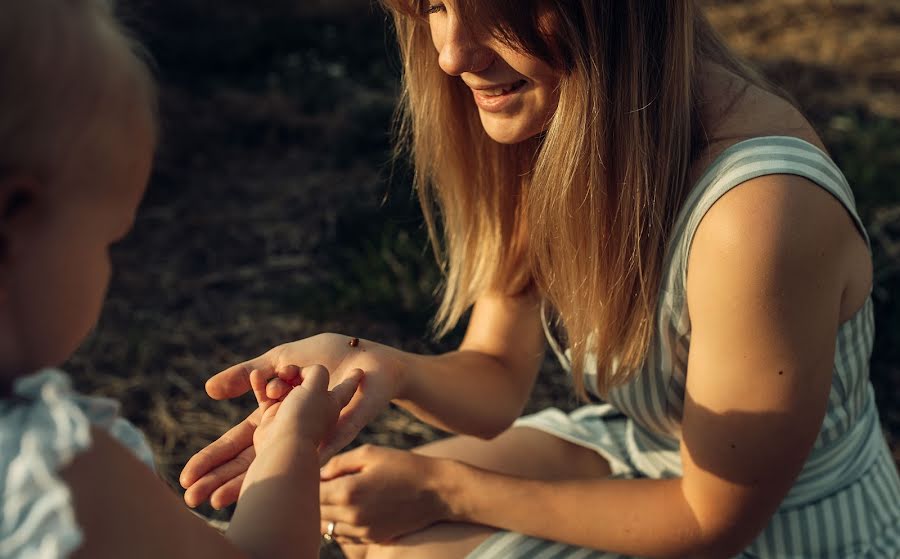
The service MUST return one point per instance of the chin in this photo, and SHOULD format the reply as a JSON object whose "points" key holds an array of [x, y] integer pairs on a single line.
{"points": [[508, 131]]}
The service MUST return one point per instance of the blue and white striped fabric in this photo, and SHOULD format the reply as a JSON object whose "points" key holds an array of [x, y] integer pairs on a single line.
{"points": [[846, 500], [43, 426]]}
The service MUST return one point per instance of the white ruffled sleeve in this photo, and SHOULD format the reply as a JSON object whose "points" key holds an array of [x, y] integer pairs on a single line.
{"points": [[43, 426]]}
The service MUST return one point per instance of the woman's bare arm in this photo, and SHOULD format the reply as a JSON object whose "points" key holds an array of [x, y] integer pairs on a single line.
{"points": [[481, 388], [767, 276]]}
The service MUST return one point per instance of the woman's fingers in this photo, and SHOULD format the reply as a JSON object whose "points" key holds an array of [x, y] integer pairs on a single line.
{"points": [[333, 492], [342, 529], [211, 483], [235, 380], [336, 514], [220, 451], [228, 493], [341, 465]]}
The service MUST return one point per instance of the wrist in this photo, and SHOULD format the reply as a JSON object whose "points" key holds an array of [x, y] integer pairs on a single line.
{"points": [[290, 442], [411, 368], [396, 363], [447, 484]]}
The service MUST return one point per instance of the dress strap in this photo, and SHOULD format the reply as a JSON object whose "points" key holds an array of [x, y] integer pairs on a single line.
{"points": [[744, 161]]}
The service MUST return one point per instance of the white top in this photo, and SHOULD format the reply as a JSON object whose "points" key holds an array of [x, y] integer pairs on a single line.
{"points": [[43, 426]]}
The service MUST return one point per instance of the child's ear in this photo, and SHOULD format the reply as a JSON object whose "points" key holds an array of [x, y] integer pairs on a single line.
{"points": [[18, 194]]}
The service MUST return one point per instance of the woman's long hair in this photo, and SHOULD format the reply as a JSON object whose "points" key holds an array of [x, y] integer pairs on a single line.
{"points": [[583, 212]]}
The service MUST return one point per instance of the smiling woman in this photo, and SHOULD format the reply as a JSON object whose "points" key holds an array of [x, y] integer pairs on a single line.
{"points": [[615, 81], [516, 94], [607, 177]]}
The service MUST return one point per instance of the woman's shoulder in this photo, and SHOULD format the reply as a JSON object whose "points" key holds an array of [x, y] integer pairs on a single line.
{"points": [[765, 187], [785, 218]]}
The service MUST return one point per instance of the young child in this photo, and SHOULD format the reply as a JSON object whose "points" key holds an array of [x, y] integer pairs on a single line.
{"points": [[77, 135]]}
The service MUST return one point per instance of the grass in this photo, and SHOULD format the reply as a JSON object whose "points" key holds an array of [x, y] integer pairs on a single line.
{"points": [[271, 217]]}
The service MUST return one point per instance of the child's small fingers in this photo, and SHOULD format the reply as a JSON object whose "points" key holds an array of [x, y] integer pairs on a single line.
{"points": [[258, 381], [343, 392], [270, 410], [290, 375], [255, 418], [277, 389], [315, 378]]}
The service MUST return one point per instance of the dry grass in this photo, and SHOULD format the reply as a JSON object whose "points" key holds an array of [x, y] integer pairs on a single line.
{"points": [[266, 219]]}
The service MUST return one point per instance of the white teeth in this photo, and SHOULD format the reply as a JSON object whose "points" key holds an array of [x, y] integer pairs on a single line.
{"points": [[497, 91]]}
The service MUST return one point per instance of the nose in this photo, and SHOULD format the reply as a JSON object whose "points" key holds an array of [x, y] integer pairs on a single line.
{"points": [[461, 52]]}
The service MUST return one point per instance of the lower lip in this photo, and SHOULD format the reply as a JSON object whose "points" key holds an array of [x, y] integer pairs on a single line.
{"points": [[496, 103]]}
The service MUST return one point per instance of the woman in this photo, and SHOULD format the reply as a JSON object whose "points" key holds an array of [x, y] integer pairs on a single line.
{"points": [[610, 178]]}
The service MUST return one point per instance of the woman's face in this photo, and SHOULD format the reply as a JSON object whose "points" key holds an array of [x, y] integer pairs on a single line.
{"points": [[516, 94]]}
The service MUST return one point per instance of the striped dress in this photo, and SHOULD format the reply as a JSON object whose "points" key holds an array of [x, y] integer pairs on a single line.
{"points": [[846, 500]]}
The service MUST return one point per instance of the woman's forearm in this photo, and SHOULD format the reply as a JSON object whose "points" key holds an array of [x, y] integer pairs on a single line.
{"points": [[642, 517], [482, 388], [465, 392]]}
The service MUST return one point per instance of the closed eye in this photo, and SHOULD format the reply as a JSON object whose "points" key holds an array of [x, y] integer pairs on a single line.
{"points": [[434, 8]]}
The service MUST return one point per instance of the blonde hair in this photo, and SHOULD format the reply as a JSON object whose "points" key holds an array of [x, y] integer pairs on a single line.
{"points": [[62, 63], [583, 212]]}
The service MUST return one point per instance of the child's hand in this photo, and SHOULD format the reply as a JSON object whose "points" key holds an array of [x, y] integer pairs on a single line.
{"points": [[297, 403]]}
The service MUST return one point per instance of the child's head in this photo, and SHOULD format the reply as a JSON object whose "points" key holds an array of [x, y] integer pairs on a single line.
{"points": [[77, 132]]}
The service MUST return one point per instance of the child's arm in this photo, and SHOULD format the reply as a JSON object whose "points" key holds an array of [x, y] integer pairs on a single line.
{"points": [[286, 468], [124, 510], [286, 473]]}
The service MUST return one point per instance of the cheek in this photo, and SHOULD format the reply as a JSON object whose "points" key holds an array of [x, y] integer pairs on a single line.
{"points": [[437, 35], [547, 93], [79, 300], [540, 73]]}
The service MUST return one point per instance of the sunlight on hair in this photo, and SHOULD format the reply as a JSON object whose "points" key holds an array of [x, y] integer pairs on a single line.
{"points": [[60, 62], [581, 212]]}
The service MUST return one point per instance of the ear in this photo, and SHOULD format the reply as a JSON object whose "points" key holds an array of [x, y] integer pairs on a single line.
{"points": [[17, 193], [18, 206]]}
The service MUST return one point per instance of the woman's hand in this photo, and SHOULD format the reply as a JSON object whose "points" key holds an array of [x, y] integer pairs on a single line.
{"points": [[217, 471], [375, 494]]}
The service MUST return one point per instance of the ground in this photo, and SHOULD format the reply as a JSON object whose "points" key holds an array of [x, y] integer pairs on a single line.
{"points": [[274, 212]]}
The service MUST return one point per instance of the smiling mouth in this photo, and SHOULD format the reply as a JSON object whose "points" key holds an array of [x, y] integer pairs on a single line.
{"points": [[498, 91]]}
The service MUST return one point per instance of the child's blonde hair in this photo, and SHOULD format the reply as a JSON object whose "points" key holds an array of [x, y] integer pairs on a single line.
{"points": [[62, 61]]}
